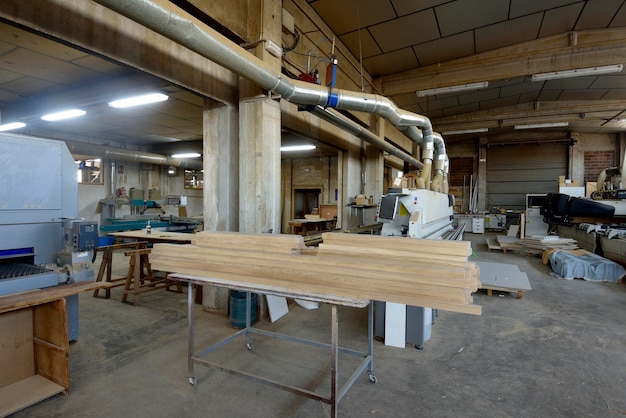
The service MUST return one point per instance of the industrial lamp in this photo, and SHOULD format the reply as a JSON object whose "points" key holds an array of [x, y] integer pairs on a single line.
{"points": [[171, 171]]}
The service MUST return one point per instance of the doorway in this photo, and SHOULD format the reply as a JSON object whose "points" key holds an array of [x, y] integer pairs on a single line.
{"points": [[304, 200]]}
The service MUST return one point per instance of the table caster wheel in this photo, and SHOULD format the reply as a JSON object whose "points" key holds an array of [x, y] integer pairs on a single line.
{"points": [[419, 347], [249, 346], [372, 378], [192, 381]]}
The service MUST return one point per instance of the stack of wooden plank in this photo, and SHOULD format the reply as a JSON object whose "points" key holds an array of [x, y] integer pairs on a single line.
{"points": [[548, 242], [429, 273]]}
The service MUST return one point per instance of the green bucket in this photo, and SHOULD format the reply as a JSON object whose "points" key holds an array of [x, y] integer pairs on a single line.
{"points": [[238, 309]]}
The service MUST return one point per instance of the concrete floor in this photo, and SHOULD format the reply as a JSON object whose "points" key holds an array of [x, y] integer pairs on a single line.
{"points": [[558, 352]]}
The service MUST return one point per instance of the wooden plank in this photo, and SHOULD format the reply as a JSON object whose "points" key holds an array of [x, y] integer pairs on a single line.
{"points": [[50, 327], [25, 393], [38, 296], [406, 271], [425, 246], [320, 265]]}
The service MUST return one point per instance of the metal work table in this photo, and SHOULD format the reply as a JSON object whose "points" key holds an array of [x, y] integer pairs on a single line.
{"points": [[336, 392]]}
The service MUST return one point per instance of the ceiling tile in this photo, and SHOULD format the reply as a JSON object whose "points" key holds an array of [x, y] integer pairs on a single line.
{"points": [[462, 15], [436, 103], [508, 33], [598, 14], [620, 18], [570, 83], [549, 95], [560, 20], [101, 66], [36, 43], [342, 16], [405, 7], [458, 110], [402, 32], [520, 88], [404, 99], [479, 96], [502, 102], [591, 94], [445, 49], [44, 67], [609, 82], [365, 44], [393, 62], [27, 86], [615, 94], [526, 7]]}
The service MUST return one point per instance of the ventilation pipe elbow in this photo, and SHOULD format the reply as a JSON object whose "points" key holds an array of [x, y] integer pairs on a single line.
{"points": [[440, 159]]}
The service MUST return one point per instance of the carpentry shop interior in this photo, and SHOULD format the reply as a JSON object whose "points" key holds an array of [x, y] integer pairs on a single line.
{"points": [[312, 208]]}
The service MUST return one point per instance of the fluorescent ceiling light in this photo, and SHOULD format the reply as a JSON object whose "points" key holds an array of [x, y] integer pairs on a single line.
{"points": [[11, 126], [139, 100], [297, 148], [452, 89], [65, 114], [542, 125], [607, 69], [186, 155], [465, 131]]}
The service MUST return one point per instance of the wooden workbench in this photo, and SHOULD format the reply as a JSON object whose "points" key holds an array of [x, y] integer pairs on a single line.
{"points": [[35, 349], [156, 236]]}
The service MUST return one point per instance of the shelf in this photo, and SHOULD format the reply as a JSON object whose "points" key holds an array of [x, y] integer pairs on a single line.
{"points": [[26, 392]]}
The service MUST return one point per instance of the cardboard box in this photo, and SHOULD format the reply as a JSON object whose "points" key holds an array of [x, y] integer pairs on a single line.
{"points": [[590, 187], [362, 200], [328, 211], [563, 182]]}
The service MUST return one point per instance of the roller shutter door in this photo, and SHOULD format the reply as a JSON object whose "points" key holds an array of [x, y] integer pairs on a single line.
{"points": [[515, 170]]}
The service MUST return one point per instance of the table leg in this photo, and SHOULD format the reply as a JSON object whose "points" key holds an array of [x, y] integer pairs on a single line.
{"points": [[190, 335], [334, 361]]}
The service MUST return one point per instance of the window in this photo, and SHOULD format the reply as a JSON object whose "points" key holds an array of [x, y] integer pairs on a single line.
{"points": [[194, 179], [89, 171]]}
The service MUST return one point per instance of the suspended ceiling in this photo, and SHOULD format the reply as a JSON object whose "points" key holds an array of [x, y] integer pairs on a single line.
{"points": [[409, 45]]}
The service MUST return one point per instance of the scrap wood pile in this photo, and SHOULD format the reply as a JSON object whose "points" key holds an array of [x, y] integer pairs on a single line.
{"points": [[428, 273], [549, 242]]}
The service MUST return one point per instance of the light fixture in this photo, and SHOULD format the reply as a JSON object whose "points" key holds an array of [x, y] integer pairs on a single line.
{"points": [[11, 126], [542, 125], [290, 148], [65, 114], [138, 100], [186, 155], [465, 131], [452, 89], [171, 170], [579, 72]]}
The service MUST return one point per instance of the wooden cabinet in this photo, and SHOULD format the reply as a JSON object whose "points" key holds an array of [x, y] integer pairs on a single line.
{"points": [[34, 349]]}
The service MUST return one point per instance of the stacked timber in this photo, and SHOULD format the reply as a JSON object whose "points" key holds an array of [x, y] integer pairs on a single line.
{"points": [[428, 273], [548, 242]]}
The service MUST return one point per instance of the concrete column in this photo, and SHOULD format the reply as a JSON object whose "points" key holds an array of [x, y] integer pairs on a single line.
{"points": [[260, 132], [259, 192], [221, 183]]}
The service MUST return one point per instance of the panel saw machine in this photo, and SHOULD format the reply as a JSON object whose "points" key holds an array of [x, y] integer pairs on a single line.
{"points": [[42, 242]]}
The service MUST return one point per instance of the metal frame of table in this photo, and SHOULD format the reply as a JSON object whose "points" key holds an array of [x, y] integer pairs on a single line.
{"points": [[337, 393]]}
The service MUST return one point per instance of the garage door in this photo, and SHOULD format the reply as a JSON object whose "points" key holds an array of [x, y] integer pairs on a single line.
{"points": [[515, 170]]}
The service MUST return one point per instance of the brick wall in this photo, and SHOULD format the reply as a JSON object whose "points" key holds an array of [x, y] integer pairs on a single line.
{"points": [[460, 167], [596, 161]]}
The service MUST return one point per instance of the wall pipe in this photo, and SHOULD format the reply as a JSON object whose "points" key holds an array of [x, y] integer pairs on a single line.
{"points": [[357, 130], [129, 155]]}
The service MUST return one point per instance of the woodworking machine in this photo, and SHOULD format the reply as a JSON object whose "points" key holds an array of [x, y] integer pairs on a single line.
{"points": [[42, 243], [413, 213]]}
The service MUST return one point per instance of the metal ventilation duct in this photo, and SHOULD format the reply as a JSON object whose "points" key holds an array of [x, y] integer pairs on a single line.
{"points": [[220, 50]]}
